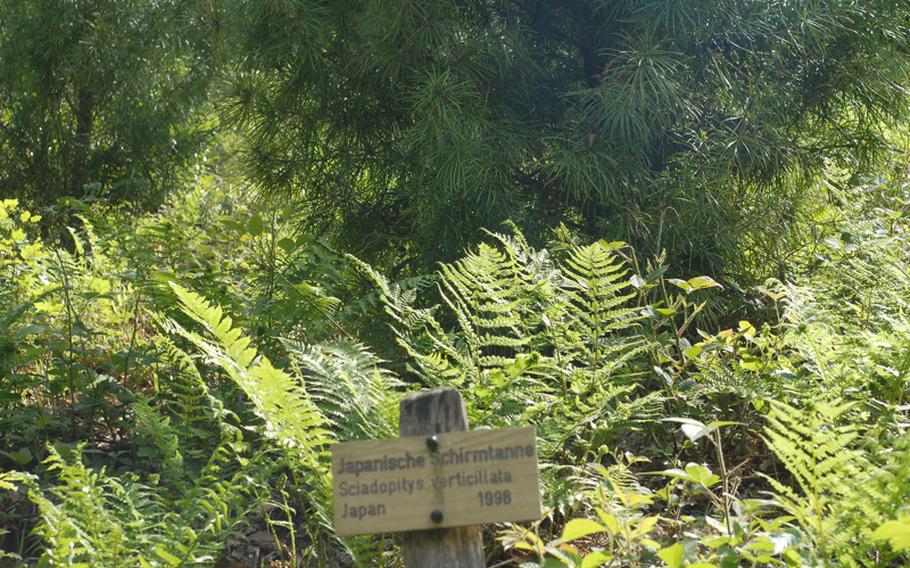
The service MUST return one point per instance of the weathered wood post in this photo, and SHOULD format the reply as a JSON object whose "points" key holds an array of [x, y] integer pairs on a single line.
{"points": [[425, 414], [437, 483]]}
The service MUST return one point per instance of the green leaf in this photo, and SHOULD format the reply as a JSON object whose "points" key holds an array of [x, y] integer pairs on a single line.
{"points": [[694, 284], [702, 282], [754, 365], [702, 475], [713, 541], [694, 473], [579, 528], [673, 555], [897, 533], [595, 559], [710, 426], [21, 457], [681, 284], [286, 244], [747, 329], [31, 329], [645, 526], [232, 224], [255, 226], [609, 520], [692, 352], [167, 556]]}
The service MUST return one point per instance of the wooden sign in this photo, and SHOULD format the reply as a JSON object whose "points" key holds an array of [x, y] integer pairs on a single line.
{"points": [[444, 480]]}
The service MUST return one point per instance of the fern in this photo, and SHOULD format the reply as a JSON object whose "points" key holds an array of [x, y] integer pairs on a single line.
{"points": [[817, 452], [163, 437], [532, 339], [289, 414], [887, 491], [287, 411], [856, 303], [596, 288], [85, 523], [182, 515], [350, 388], [840, 494], [183, 395], [90, 518]]}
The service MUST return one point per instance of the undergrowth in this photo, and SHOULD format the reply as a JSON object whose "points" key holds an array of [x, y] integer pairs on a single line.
{"points": [[172, 385]]}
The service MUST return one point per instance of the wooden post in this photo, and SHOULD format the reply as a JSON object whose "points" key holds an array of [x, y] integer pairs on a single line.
{"points": [[427, 413]]}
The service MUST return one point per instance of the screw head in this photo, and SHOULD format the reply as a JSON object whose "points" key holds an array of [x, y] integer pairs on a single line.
{"points": [[436, 516], [433, 443]]}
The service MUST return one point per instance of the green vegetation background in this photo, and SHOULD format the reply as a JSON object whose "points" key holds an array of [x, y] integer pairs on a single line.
{"points": [[672, 235]]}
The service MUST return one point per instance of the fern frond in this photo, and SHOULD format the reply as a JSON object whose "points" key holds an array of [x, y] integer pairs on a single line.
{"points": [[286, 409], [164, 439], [816, 445], [531, 339], [594, 285], [184, 395], [289, 414], [350, 388]]}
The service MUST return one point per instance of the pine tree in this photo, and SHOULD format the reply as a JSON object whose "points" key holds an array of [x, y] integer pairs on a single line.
{"points": [[691, 125], [99, 98]]}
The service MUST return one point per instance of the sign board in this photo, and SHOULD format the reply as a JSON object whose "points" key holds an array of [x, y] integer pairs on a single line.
{"points": [[454, 479]]}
